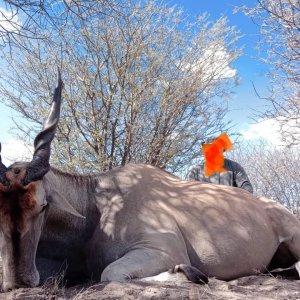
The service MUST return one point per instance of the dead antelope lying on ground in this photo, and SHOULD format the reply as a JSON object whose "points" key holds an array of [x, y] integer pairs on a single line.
{"points": [[132, 222]]}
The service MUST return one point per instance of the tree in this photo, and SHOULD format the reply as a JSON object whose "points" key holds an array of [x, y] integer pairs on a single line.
{"points": [[24, 19], [273, 172], [140, 84], [280, 26], [32, 18]]}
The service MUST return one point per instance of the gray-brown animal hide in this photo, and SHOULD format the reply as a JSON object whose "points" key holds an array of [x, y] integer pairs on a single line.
{"points": [[141, 221]]}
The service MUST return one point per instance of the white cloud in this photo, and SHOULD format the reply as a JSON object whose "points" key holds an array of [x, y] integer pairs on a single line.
{"points": [[278, 132], [267, 129], [213, 63], [9, 21], [15, 150]]}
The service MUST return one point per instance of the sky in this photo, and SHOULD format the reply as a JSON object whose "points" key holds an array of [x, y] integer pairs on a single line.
{"points": [[250, 71]]}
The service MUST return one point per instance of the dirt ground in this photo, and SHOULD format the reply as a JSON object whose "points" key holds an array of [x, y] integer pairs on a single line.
{"points": [[252, 287]]}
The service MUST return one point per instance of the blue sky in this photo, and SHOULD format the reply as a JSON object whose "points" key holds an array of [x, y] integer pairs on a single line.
{"points": [[249, 69]]}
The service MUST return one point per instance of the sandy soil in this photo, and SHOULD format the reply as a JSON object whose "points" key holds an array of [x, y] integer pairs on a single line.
{"points": [[252, 287]]}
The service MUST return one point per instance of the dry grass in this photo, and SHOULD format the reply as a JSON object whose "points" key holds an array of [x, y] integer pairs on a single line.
{"points": [[261, 286]]}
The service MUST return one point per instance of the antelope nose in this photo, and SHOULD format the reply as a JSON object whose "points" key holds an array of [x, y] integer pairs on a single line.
{"points": [[8, 286], [17, 171]]}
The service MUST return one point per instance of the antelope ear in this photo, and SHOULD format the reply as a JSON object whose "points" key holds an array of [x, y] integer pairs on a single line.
{"points": [[62, 203]]}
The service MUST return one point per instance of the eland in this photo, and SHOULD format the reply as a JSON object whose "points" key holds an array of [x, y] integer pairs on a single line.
{"points": [[132, 222]]}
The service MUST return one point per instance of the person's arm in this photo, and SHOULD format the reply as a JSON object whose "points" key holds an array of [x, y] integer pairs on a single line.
{"points": [[242, 180]]}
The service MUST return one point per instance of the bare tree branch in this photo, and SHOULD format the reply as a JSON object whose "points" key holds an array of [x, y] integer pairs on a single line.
{"points": [[140, 83], [280, 26]]}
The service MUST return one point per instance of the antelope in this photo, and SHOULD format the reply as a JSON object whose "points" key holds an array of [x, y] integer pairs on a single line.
{"points": [[132, 222]]}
